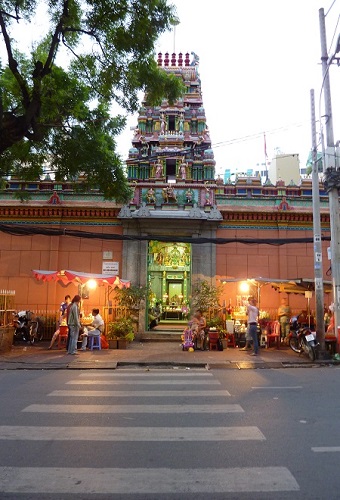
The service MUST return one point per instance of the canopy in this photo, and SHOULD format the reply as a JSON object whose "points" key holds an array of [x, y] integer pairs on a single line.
{"points": [[298, 285], [67, 276]]}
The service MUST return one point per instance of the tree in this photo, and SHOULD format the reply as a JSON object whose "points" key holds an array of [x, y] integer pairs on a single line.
{"points": [[61, 116], [205, 296]]}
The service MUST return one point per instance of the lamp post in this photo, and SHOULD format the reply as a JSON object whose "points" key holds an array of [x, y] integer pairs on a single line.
{"points": [[331, 173]]}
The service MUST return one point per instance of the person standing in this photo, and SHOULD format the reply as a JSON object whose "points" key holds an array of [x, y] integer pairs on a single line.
{"points": [[63, 308], [253, 313], [73, 322], [284, 314]]}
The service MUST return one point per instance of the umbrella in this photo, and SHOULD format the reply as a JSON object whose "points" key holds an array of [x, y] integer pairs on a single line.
{"points": [[67, 276]]}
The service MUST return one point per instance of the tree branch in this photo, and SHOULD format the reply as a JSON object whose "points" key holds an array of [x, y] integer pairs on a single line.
{"points": [[12, 63]]}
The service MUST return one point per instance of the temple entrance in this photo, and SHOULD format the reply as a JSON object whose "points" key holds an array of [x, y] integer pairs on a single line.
{"points": [[169, 279]]}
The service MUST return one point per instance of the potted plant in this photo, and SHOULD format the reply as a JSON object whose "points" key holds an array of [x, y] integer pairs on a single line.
{"points": [[130, 300], [223, 337], [205, 296], [122, 330], [111, 338]]}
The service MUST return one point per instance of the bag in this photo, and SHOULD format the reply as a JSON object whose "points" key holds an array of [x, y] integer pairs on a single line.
{"points": [[104, 342]]}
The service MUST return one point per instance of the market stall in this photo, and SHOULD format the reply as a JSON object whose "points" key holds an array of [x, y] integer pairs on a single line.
{"points": [[300, 288], [85, 282]]}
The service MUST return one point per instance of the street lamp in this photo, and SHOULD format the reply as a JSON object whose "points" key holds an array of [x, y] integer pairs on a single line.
{"points": [[331, 171]]}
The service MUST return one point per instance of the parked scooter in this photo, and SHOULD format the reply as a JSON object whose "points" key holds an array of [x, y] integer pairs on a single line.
{"points": [[27, 329], [302, 339]]}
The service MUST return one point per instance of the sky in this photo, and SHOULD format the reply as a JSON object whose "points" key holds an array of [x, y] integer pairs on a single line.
{"points": [[259, 59]]}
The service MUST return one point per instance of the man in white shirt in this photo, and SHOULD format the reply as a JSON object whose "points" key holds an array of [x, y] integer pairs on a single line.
{"points": [[94, 330]]}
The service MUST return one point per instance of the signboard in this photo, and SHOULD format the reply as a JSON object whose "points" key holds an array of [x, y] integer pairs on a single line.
{"points": [[107, 255], [110, 268]]}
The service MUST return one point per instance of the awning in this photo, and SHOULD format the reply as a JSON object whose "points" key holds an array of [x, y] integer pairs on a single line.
{"points": [[297, 285], [68, 276]]}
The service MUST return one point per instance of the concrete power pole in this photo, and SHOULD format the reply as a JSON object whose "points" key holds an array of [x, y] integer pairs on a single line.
{"points": [[331, 177], [318, 270]]}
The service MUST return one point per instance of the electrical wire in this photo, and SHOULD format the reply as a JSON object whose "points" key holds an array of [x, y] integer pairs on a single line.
{"points": [[330, 8], [17, 230]]}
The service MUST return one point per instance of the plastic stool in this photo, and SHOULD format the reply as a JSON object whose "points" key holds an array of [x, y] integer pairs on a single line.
{"points": [[95, 342], [62, 338]]}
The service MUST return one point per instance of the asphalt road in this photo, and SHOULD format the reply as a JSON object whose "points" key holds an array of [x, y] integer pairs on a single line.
{"points": [[147, 434]]}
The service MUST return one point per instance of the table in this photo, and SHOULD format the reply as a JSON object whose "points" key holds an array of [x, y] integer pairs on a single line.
{"points": [[172, 314]]}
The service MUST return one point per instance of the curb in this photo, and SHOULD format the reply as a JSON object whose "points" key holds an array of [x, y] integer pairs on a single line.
{"points": [[114, 365]]}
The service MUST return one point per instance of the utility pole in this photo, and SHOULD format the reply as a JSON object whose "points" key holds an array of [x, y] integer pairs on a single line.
{"points": [[331, 176], [318, 271]]}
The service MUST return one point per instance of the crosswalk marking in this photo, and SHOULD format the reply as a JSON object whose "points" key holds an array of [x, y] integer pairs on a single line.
{"points": [[261, 387], [149, 373], [143, 382], [76, 481], [188, 384], [185, 408], [124, 393], [179, 434], [326, 449]]}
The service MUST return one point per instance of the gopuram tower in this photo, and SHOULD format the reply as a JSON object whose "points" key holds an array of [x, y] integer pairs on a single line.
{"points": [[171, 169], [171, 144]]}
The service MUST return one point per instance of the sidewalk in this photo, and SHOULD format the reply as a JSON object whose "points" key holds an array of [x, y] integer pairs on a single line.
{"points": [[156, 354]]}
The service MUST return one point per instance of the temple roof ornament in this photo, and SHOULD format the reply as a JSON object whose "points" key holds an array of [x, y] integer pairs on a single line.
{"points": [[54, 199], [215, 214], [125, 213]]}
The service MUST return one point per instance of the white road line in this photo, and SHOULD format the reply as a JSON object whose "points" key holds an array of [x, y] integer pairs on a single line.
{"points": [[53, 480], [42, 408], [278, 387], [144, 373], [144, 382], [96, 433], [326, 449], [124, 393]]}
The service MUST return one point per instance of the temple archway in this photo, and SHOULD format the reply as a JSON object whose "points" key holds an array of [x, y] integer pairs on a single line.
{"points": [[169, 279]]}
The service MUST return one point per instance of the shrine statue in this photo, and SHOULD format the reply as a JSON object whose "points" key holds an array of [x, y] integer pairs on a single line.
{"points": [[150, 196], [188, 196], [181, 123], [207, 195], [183, 170], [159, 170], [169, 194], [163, 124]]}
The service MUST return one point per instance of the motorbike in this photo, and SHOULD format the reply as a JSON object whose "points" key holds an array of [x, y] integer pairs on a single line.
{"points": [[27, 329], [302, 340]]}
